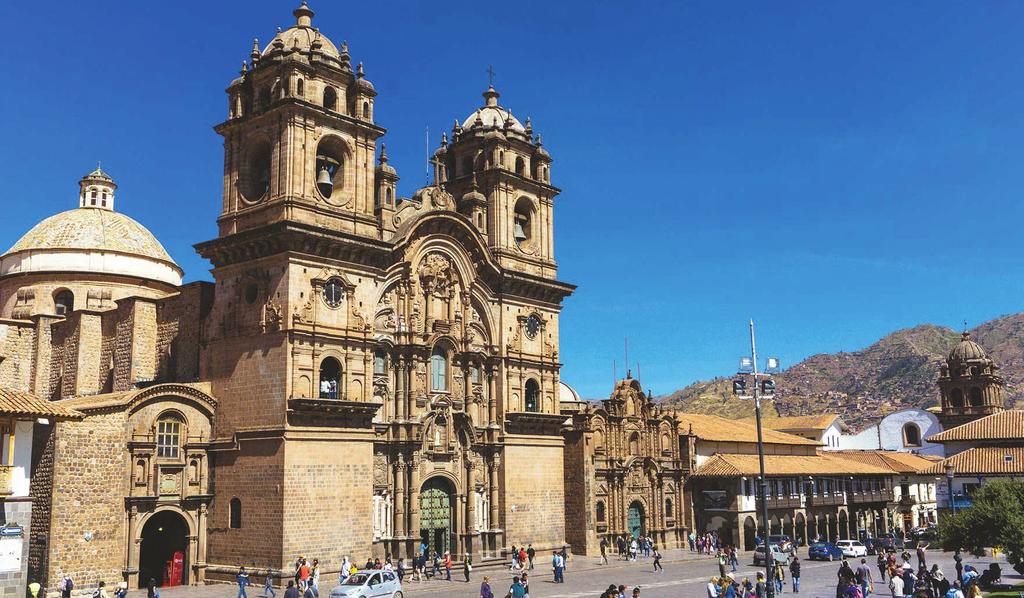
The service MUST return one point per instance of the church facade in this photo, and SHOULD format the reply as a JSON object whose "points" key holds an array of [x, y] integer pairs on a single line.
{"points": [[364, 374]]}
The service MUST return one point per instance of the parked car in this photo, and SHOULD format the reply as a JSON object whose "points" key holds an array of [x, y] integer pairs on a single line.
{"points": [[783, 542], [372, 583], [824, 551], [777, 554], [852, 548], [888, 541]]}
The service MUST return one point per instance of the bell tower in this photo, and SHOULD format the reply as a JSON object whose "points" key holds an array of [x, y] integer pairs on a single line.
{"points": [[969, 384], [500, 174], [300, 141]]}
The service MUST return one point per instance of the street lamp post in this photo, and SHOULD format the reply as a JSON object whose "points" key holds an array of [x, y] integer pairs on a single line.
{"points": [[762, 385], [950, 472]]}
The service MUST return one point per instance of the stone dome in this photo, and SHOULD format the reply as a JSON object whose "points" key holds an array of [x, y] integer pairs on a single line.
{"points": [[93, 239], [966, 350], [303, 37], [491, 115]]}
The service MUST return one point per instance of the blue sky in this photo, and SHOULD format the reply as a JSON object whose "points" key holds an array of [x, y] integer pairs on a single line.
{"points": [[834, 170]]}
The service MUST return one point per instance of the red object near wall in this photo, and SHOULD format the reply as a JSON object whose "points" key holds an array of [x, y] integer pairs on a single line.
{"points": [[174, 569]]}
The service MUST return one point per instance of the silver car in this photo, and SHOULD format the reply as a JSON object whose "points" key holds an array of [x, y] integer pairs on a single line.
{"points": [[371, 583]]}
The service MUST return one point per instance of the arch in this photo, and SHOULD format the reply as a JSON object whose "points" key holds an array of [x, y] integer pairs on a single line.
{"points": [[170, 431], [774, 527], [235, 513], [190, 395], [599, 510], [634, 443], [843, 533], [437, 514], [330, 98], [520, 166], [956, 397], [300, 88], [749, 534], [635, 519], [366, 109], [523, 223], [531, 396], [976, 397], [669, 513], [911, 435], [439, 369], [332, 157], [380, 361], [330, 378], [164, 539], [63, 302], [800, 530]]}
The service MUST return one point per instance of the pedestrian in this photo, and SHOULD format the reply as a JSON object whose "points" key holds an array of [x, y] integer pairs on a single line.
{"points": [[721, 564], [101, 591], [760, 588], [632, 549], [657, 560], [955, 591], [447, 566], [522, 558], [693, 539], [400, 570], [921, 555], [556, 560], [863, 577], [467, 567], [881, 564], [530, 553], [151, 590], [309, 592], [733, 559], [122, 590], [713, 591], [291, 591], [780, 576], [604, 552], [896, 586], [243, 580], [436, 568], [65, 586], [315, 577], [794, 574], [298, 578], [346, 566], [304, 574], [268, 586], [485, 588]]}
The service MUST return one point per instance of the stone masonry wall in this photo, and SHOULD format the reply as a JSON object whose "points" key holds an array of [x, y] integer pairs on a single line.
{"points": [[577, 494], [41, 491], [16, 340], [64, 356], [535, 485], [178, 333], [248, 377]]}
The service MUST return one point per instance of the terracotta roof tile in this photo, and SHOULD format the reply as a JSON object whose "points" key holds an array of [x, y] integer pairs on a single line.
{"points": [[897, 462], [985, 460], [1005, 425], [25, 404], [719, 429], [801, 422], [731, 465]]}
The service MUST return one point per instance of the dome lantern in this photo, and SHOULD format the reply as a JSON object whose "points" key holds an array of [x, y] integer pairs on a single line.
{"points": [[96, 190]]}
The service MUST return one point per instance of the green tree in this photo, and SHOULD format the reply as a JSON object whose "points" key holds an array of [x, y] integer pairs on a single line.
{"points": [[996, 518]]}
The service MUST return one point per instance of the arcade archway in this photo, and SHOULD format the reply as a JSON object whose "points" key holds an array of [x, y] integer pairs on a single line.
{"points": [[635, 519], [749, 534], [437, 522], [163, 551]]}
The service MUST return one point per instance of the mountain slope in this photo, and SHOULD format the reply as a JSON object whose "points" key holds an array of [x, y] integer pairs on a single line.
{"points": [[897, 372]]}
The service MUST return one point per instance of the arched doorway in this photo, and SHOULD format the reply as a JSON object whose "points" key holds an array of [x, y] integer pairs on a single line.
{"points": [[436, 515], [801, 530], [163, 551], [844, 526], [774, 527], [749, 533], [635, 519], [813, 533]]}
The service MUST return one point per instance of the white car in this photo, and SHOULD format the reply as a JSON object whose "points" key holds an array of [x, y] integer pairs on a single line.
{"points": [[852, 548], [371, 583]]}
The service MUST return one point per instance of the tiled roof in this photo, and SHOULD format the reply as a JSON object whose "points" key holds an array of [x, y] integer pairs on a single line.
{"points": [[731, 465], [896, 461], [25, 404], [985, 460], [719, 429], [801, 422], [1005, 425]]}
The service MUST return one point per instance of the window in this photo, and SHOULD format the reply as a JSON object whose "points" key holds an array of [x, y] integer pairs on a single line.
{"points": [[299, 88], [235, 513], [334, 293], [957, 398], [64, 302], [168, 438], [330, 378], [439, 370], [330, 98], [634, 443], [976, 400], [523, 223], [668, 509], [911, 435], [600, 510], [520, 166], [379, 362], [252, 292], [366, 110], [532, 396], [474, 374]]}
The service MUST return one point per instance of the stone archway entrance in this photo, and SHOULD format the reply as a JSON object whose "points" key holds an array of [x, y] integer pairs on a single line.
{"points": [[843, 533], [749, 534], [800, 530], [436, 515], [163, 551], [635, 519]]}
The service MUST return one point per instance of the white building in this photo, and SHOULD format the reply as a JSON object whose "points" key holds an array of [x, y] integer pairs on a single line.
{"points": [[905, 431], [826, 429]]}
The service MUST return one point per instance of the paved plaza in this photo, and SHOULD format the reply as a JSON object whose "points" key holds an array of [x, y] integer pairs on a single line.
{"points": [[685, 575]]}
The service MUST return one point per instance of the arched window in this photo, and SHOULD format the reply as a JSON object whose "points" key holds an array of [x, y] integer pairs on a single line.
{"points": [[299, 88], [439, 370], [379, 362], [599, 509], [523, 225], [474, 374], [330, 378], [976, 400], [168, 437], [389, 195], [957, 398], [64, 302], [911, 435], [330, 98], [235, 513], [634, 443], [532, 395], [520, 166], [366, 110], [668, 508]]}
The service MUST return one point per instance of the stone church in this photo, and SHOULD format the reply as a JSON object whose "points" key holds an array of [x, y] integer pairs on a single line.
{"points": [[364, 373]]}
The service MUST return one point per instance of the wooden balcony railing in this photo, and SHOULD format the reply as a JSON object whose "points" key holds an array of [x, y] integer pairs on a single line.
{"points": [[816, 500]]}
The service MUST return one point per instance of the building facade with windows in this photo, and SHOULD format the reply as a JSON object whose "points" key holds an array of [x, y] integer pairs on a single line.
{"points": [[906, 430]]}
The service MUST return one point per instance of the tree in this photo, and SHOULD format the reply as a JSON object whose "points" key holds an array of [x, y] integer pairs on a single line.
{"points": [[995, 518]]}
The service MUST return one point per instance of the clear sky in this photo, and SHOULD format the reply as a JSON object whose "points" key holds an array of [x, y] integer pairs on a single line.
{"points": [[834, 170]]}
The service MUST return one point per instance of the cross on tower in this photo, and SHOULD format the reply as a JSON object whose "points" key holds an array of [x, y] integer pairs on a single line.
{"points": [[490, 75]]}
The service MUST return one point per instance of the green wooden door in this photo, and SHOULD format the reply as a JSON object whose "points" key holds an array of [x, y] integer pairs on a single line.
{"points": [[635, 519], [436, 515]]}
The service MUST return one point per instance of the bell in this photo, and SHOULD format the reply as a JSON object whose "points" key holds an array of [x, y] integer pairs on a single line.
{"points": [[519, 234], [323, 180]]}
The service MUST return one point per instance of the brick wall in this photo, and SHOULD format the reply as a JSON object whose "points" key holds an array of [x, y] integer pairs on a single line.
{"points": [[535, 484]]}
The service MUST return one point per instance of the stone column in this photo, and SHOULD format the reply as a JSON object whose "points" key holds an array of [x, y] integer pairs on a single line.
{"points": [[414, 500], [201, 554], [492, 399], [470, 510], [400, 497], [400, 388], [495, 512], [132, 560]]}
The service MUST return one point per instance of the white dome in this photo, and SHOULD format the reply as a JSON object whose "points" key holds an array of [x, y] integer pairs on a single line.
{"points": [[491, 115], [567, 394]]}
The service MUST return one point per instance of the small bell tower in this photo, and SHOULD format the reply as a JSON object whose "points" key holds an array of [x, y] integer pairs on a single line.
{"points": [[96, 190], [969, 384]]}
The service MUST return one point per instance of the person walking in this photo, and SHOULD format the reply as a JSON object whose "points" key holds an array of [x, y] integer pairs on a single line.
{"points": [[346, 566], [291, 591], [400, 569], [896, 586], [713, 588], [604, 552], [314, 575], [780, 576], [151, 590], [760, 588], [243, 581], [794, 574], [309, 592], [65, 586], [693, 540], [863, 576], [485, 588], [447, 566], [304, 574], [881, 564], [530, 553], [921, 556], [516, 590], [268, 585], [721, 564], [467, 567], [525, 582], [657, 559], [556, 560], [733, 559]]}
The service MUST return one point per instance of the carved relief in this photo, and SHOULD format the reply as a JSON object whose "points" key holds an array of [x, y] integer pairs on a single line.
{"points": [[272, 317], [380, 469], [435, 274]]}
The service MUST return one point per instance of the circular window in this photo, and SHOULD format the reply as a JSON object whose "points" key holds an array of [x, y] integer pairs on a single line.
{"points": [[532, 326], [334, 293], [254, 175], [251, 293]]}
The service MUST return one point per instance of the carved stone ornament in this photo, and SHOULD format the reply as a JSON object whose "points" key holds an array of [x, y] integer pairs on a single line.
{"points": [[380, 469], [435, 273], [272, 317], [440, 199]]}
